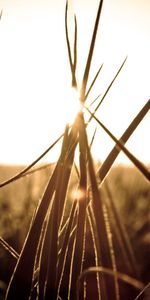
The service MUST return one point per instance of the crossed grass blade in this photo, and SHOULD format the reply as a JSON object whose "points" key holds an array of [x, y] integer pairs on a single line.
{"points": [[119, 143], [107, 164]]}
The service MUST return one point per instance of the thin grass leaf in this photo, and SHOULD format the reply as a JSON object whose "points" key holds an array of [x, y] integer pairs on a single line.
{"points": [[119, 143], [126, 248], [72, 63], [51, 252], [25, 170], [71, 266], [93, 137], [67, 274], [143, 291], [104, 169], [10, 249], [75, 48], [67, 38], [89, 59], [108, 88], [42, 167], [93, 103], [122, 277], [92, 84]]}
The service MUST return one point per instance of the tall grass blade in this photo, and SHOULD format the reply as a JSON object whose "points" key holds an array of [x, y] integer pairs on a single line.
{"points": [[82, 200], [65, 167], [64, 248], [89, 59], [71, 265], [90, 216], [104, 248], [68, 165]]}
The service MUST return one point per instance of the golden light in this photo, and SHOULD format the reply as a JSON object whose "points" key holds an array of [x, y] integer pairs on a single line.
{"points": [[71, 104], [35, 74], [78, 194]]}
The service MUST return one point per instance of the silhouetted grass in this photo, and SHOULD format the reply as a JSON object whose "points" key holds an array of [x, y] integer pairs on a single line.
{"points": [[54, 262]]}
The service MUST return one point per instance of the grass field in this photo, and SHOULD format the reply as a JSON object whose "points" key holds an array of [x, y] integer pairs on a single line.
{"points": [[130, 193]]}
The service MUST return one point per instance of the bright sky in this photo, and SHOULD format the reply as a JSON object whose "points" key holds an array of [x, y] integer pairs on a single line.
{"points": [[35, 76]]}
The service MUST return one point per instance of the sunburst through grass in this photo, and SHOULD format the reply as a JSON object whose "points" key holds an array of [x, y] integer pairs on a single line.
{"points": [[55, 261]]}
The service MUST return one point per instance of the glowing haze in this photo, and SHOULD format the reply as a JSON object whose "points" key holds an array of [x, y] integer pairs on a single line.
{"points": [[35, 76]]}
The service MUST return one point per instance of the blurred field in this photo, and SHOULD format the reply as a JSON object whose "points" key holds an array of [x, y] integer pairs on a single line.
{"points": [[130, 192]]}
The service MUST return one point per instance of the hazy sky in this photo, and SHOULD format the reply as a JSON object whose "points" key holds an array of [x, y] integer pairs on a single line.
{"points": [[35, 76]]}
